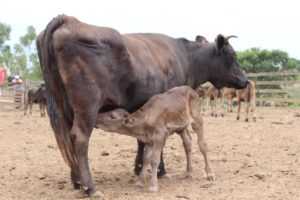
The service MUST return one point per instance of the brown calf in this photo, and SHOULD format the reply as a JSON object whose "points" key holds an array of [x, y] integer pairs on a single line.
{"points": [[164, 114], [215, 97], [229, 94], [247, 95], [37, 96]]}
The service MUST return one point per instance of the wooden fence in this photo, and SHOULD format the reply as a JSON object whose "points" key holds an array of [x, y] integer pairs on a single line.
{"points": [[281, 88], [12, 97]]}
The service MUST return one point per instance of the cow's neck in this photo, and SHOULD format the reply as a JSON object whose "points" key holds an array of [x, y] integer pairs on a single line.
{"points": [[200, 58]]}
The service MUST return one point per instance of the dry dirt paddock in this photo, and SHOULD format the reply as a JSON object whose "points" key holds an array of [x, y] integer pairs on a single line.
{"points": [[254, 160]]}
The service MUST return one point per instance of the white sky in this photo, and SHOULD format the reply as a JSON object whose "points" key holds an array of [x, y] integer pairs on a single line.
{"points": [[258, 23]]}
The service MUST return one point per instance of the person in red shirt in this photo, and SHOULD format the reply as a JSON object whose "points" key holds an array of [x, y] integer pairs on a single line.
{"points": [[3, 71]]}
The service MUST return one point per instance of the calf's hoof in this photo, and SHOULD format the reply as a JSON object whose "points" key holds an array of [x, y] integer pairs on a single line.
{"points": [[139, 184], [97, 195], [246, 120], [153, 189], [238, 118], [93, 193], [210, 177]]}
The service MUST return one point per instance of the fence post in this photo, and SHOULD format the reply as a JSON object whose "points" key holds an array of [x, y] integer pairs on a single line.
{"points": [[285, 95]]}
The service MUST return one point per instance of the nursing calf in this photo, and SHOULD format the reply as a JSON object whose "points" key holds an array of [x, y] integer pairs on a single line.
{"points": [[164, 114]]}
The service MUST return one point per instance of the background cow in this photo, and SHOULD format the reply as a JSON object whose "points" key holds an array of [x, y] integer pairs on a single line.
{"points": [[89, 69], [248, 96], [229, 94], [37, 96], [215, 97]]}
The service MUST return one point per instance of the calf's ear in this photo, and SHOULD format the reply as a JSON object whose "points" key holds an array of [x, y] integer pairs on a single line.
{"points": [[129, 122]]}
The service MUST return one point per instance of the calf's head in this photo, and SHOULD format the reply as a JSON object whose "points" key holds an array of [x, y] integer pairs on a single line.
{"points": [[112, 120], [225, 70]]}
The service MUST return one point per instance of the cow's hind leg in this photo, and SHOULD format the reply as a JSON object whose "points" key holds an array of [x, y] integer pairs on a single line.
{"points": [[247, 105], [139, 158], [80, 134]]}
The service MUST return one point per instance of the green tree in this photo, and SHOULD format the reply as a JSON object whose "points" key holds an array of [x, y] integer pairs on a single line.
{"points": [[257, 60], [6, 56], [28, 43], [4, 33]]}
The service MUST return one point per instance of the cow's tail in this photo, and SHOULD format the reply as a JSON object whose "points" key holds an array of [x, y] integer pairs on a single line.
{"points": [[58, 106]]}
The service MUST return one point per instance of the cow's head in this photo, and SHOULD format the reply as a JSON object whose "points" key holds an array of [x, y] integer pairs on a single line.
{"points": [[225, 70]]}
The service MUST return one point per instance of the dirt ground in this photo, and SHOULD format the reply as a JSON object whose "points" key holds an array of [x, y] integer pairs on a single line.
{"points": [[254, 160]]}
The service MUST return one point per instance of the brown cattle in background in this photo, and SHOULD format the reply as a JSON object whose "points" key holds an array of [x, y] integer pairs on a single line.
{"points": [[248, 96], [215, 97], [36, 96], [229, 94]]}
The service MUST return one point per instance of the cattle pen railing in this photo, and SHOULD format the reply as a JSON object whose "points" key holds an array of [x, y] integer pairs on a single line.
{"points": [[280, 88]]}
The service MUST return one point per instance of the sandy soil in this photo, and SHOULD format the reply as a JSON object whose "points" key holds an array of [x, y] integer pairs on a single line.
{"points": [[250, 160]]}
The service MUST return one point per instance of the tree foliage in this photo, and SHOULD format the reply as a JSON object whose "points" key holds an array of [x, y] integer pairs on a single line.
{"points": [[261, 60], [22, 59]]}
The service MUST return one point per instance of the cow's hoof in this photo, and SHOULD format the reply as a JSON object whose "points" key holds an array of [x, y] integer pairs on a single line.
{"points": [[166, 176], [77, 186], [246, 120], [188, 177], [138, 169], [237, 118]]}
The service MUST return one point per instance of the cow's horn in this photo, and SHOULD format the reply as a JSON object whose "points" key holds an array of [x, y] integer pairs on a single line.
{"points": [[231, 36]]}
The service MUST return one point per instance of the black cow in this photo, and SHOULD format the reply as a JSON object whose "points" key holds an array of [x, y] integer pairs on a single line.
{"points": [[37, 96], [89, 69]]}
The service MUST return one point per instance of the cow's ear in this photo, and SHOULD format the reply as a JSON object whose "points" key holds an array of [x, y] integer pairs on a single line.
{"points": [[129, 122], [220, 42]]}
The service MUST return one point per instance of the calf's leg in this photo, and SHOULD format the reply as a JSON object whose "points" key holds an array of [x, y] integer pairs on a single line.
{"points": [[155, 157], [197, 126], [146, 160], [187, 144], [139, 162]]}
